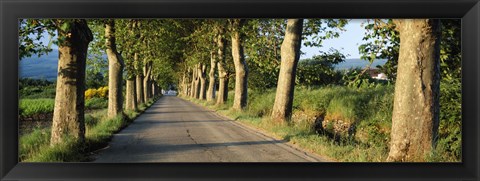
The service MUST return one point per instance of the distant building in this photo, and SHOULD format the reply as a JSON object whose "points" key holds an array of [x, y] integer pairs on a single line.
{"points": [[376, 74]]}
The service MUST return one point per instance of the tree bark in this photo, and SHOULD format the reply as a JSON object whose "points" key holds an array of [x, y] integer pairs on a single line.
{"points": [[415, 116], [115, 72], [192, 86], [203, 81], [154, 89], [184, 84], [197, 81], [222, 73], [241, 69], [290, 53], [211, 84], [187, 83], [139, 86], [131, 94], [147, 71], [69, 111]]}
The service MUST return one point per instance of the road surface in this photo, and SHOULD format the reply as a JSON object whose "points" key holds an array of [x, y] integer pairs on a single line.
{"points": [[175, 130]]}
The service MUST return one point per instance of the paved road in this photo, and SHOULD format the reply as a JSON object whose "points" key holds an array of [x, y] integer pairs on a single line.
{"points": [[175, 130]]}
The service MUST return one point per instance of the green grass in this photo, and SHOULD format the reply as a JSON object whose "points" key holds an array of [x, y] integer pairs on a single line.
{"points": [[32, 107], [369, 110], [35, 146]]}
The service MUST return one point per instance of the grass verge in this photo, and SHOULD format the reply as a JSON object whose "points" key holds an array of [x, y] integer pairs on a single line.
{"points": [[344, 124], [35, 147]]}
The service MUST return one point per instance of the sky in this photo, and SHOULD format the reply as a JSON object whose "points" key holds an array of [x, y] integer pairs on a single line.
{"points": [[347, 43]]}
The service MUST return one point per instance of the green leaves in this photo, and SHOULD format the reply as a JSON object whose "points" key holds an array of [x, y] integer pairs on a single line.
{"points": [[319, 70], [30, 32]]}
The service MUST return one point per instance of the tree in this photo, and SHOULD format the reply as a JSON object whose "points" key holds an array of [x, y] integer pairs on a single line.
{"points": [[74, 36], [115, 71], [222, 70], [241, 69], [68, 115], [211, 76], [128, 31], [263, 51], [202, 70], [147, 81], [415, 116], [319, 70], [290, 53]]}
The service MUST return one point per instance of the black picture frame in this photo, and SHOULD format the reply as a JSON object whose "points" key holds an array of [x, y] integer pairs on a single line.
{"points": [[11, 11]]}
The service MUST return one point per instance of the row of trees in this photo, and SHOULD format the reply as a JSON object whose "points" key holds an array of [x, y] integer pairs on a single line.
{"points": [[150, 54], [416, 103]]}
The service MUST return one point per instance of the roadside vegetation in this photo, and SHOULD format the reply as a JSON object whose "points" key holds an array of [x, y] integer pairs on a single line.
{"points": [[35, 114], [344, 123], [250, 70]]}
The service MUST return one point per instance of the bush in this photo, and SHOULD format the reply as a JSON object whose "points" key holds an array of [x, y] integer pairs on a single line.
{"points": [[96, 103], [101, 92], [36, 92]]}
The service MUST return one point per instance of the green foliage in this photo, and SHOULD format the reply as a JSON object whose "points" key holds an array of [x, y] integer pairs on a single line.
{"points": [[383, 42], [449, 144], [319, 70], [260, 102], [30, 33], [96, 103], [321, 29], [357, 78], [33, 142], [95, 79], [31, 107], [36, 88]]}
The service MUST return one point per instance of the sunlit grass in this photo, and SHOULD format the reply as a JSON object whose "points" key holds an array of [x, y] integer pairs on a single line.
{"points": [[35, 146], [369, 110]]}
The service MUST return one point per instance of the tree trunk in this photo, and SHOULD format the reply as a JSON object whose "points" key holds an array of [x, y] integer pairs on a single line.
{"points": [[203, 81], [290, 53], [69, 112], [147, 71], [222, 73], [184, 84], [115, 72], [197, 81], [131, 94], [192, 86], [241, 70], [139, 86], [415, 116], [187, 85], [211, 75], [154, 89]]}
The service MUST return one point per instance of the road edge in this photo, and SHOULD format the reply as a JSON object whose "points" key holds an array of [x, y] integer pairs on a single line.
{"points": [[306, 153]]}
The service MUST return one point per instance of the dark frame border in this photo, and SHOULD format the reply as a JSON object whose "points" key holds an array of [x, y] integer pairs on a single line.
{"points": [[10, 11]]}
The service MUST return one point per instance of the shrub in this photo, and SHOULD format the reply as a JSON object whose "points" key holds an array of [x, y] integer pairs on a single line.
{"points": [[90, 93], [96, 103], [101, 92]]}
